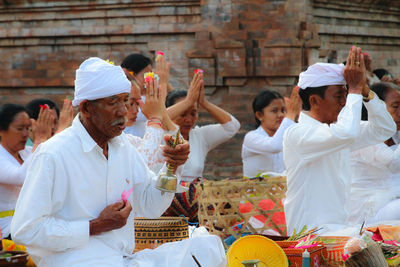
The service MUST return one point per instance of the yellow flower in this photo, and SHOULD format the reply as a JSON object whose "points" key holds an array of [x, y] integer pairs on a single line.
{"points": [[109, 61]]}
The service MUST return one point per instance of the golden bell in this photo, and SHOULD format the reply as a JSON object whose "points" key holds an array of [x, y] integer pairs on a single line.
{"points": [[167, 181]]}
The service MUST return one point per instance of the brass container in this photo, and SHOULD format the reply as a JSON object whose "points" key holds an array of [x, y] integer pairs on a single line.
{"points": [[167, 182]]}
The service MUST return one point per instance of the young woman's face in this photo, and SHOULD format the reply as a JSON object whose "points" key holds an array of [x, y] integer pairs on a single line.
{"points": [[272, 115], [186, 120], [14, 139], [133, 105], [393, 105]]}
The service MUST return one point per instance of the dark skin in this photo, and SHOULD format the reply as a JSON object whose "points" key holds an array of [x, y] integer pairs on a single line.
{"points": [[104, 119], [326, 109]]}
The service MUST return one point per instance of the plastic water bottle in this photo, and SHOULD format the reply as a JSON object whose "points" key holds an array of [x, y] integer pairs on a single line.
{"points": [[306, 258]]}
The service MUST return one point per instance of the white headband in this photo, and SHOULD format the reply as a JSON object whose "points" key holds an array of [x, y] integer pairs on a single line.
{"points": [[97, 79], [322, 74]]}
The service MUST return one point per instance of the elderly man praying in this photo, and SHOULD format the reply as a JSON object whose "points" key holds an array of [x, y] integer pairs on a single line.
{"points": [[316, 151], [70, 211]]}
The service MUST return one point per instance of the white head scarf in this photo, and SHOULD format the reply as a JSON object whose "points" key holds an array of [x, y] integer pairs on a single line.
{"points": [[322, 74], [97, 79]]}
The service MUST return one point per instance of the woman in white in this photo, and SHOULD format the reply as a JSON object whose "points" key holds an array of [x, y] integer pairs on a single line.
{"points": [[15, 156], [262, 147], [371, 188], [154, 109], [182, 107]]}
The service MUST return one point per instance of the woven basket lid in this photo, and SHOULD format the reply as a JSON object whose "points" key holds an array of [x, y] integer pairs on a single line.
{"points": [[256, 247]]}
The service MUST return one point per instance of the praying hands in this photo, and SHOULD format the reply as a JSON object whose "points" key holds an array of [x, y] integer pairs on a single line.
{"points": [[355, 72]]}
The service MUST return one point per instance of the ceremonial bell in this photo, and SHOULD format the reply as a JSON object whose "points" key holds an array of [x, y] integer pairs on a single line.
{"points": [[167, 181]]}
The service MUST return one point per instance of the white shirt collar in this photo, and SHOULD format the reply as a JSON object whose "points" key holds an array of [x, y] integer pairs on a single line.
{"points": [[307, 119], [87, 141]]}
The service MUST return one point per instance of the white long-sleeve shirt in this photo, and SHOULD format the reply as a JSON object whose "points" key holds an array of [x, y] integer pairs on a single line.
{"points": [[261, 152], [371, 189], [12, 176], [201, 141], [395, 177], [317, 156], [68, 184]]}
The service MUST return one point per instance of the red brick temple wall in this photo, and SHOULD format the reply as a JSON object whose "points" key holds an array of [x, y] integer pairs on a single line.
{"points": [[243, 46]]}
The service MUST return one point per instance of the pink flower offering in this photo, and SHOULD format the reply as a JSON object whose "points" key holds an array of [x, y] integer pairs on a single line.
{"points": [[148, 79], [159, 55], [125, 195], [200, 71], [345, 256]]}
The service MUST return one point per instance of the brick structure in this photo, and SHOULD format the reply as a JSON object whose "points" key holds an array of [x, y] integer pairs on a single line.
{"points": [[243, 46]]}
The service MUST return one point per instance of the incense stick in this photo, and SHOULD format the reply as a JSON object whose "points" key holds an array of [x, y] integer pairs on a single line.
{"points": [[197, 262]]}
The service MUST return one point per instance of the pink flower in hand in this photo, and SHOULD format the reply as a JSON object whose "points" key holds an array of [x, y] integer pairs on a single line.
{"points": [[125, 195]]}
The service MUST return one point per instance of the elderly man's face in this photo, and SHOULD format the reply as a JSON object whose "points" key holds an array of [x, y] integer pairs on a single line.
{"points": [[108, 115]]}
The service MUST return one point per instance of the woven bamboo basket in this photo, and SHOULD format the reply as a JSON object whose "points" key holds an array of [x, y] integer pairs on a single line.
{"points": [[219, 205], [150, 233], [372, 256]]}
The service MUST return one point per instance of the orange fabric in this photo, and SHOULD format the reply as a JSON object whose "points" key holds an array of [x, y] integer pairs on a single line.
{"points": [[387, 232]]}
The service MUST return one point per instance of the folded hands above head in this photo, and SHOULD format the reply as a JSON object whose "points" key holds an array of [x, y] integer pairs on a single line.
{"points": [[156, 92], [293, 105], [42, 127], [355, 72], [66, 115]]}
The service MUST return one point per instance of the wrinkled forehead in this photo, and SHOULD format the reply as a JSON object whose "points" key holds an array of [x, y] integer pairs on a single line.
{"points": [[118, 97]]}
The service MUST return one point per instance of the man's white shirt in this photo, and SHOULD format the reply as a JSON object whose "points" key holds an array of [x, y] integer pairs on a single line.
{"points": [[317, 158]]}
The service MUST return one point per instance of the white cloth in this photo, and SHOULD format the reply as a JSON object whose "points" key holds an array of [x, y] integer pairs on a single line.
{"points": [[263, 153], [317, 157], [395, 177], [322, 74], [69, 183], [139, 128], [208, 250], [370, 181], [201, 141], [12, 176], [149, 147], [97, 79]]}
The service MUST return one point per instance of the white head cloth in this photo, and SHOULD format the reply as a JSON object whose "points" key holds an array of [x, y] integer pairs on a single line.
{"points": [[97, 79], [322, 74]]}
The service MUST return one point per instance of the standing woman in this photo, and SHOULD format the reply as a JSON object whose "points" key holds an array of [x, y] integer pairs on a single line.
{"points": [[15, 156], [262, 147]]}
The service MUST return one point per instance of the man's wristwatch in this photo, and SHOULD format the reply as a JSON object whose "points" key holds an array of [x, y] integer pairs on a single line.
{"points": [[369, 97]]}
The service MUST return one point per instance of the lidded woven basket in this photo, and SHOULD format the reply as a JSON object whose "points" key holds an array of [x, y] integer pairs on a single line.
{"points": [[150, 233]]}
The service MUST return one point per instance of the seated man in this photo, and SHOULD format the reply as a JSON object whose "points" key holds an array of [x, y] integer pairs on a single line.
{"points": [[70, 211], [317, 149]]}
